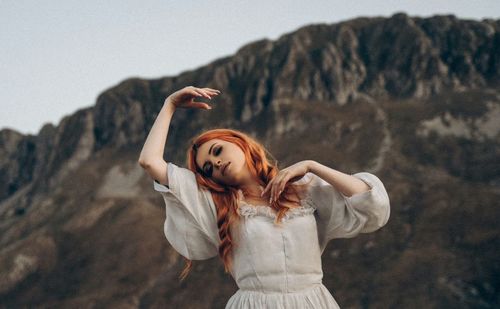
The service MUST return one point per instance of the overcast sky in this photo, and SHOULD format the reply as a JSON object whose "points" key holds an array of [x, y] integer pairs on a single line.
{"points": [[57, 56]]}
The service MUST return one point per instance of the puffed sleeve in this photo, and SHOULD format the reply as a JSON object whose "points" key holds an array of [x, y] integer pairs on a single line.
{"points": [[340, 216], [191, 218]]}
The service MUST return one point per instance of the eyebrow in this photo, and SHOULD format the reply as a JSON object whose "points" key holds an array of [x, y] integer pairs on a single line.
{"points": [[210, 150]]}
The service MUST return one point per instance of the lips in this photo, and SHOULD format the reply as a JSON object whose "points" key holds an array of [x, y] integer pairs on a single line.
{"points": [[224, 168]]}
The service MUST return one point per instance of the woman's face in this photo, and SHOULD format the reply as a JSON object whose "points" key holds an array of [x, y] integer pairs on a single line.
{"points": [[223, 162]]}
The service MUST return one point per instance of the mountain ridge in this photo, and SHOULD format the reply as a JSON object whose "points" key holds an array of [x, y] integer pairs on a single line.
{"points": [[413, 100]]}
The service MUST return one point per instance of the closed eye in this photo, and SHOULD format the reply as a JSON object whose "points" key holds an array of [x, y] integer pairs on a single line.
{"points": [[208, 171]]}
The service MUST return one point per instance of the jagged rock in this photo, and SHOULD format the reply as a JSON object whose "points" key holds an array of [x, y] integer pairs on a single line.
{"points": [[413, 100]]}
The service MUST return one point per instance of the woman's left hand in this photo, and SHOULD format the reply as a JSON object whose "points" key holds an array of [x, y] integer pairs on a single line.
{"points": [[290, 174]]}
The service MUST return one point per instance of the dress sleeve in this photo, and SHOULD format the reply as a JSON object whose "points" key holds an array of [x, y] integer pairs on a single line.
{"points": [[191, 218], [340, 216]]}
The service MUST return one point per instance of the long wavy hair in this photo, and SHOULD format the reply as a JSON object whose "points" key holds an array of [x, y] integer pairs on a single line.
{"points": [[226, 197]]}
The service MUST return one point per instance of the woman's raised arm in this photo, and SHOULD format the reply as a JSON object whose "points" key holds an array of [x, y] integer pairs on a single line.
{"points": [[151, 157]]}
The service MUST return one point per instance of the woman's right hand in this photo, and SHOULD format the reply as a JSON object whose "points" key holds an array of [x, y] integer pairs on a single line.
{"points": [[184, 97]]}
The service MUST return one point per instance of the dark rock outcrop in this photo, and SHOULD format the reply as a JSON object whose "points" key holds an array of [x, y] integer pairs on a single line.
{"points": [[413, 100]]}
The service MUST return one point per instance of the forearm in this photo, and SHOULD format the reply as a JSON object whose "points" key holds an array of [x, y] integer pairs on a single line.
{"points": [[157, 138], [345, 183]]}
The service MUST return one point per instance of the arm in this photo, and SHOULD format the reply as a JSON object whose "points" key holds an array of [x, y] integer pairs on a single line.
{"points": [[151, 157], [345, 206], [347, 184]]}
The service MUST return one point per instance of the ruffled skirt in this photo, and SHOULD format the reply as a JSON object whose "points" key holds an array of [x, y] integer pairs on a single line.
{"points": [[317, 297]]}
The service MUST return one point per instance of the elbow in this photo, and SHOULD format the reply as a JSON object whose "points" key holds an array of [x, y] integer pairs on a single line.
{"points": [[385, 219], [378, 218], [385, 211], [143, 163], [380, 212], [380, 202]]}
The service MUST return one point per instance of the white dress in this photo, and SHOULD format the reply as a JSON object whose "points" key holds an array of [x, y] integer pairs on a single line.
{"points": [[274, 267]]}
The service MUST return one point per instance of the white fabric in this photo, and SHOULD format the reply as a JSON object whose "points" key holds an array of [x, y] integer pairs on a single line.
{"points": [[274, 266], [191, 219]]}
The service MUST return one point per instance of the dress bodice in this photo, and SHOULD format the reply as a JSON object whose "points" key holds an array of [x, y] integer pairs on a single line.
{"points": [[276, 258]]}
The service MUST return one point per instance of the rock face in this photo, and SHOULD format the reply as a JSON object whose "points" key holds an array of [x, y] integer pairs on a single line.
{"points": [[413, 100]]}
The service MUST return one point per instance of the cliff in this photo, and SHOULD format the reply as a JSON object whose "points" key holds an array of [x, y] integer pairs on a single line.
{"points": [[413, 100]]}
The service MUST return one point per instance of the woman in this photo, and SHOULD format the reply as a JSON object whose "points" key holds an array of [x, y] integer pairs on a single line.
{"points": [[268, 226]]}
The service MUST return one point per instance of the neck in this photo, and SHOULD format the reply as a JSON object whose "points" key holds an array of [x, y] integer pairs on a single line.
{"points": [[252, 189]]}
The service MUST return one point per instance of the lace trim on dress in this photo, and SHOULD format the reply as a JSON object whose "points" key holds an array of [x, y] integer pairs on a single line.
{"points": [[246, 210]]}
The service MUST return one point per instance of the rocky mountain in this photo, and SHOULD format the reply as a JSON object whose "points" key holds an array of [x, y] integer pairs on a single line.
{"points": [[413, 100]]}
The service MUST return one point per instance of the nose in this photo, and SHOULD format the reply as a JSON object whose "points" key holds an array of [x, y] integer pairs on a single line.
{"points": [[218, 163]]}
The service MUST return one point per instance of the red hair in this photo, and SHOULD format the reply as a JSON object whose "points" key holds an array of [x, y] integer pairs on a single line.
{"points": [[226, 197]]}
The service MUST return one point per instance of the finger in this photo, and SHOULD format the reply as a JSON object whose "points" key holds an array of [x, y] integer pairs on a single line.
{"points": [[274, 189], [281, 186], [204, 106], [209, 89], [270, 184], [274, 186], [270, 191], [204, 92], [264, 191], [281, 189], [267, 188], [195, 92], [201, 105], [207, 94], [214, 90], [191, 89], [212, 93], [278, 192]]}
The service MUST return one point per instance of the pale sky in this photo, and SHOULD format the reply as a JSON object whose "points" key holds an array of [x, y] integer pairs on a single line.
{"points": [[58, 56]]}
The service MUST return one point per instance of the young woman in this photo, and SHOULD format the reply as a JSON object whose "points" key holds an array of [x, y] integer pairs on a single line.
{"points": [[268, 226]]}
